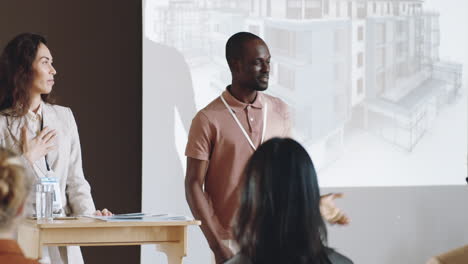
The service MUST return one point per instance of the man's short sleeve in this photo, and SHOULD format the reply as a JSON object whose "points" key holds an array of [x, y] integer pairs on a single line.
{"points": [[199, 143]]}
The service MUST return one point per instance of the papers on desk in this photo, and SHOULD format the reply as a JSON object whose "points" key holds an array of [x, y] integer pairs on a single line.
{"points": [[142, 217]]}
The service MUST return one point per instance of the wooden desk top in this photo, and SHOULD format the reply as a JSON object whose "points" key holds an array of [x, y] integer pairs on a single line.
{"points": [[90, 222]]}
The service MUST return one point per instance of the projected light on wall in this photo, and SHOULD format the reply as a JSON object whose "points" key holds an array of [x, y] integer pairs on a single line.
{"points": [[377, 95], [373, 101]]}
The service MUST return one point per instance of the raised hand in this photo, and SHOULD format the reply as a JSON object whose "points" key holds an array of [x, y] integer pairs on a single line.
{"points": [[330, 212]]}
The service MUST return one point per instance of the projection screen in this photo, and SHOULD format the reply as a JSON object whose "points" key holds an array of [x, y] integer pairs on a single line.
{"points": [[376, 88]]}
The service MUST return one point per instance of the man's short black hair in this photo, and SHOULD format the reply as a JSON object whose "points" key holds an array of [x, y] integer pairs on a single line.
{"points": [[235, 43]]}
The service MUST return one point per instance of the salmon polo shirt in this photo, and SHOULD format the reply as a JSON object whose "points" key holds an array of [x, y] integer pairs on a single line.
{"points": [[216, 137]]}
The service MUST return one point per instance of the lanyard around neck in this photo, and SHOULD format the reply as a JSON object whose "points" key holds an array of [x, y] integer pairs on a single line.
{"points": [[45, 157], [265, 114]]}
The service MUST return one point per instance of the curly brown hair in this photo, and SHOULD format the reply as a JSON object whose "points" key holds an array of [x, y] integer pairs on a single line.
{"points": [[14, 187], [16, 73]]}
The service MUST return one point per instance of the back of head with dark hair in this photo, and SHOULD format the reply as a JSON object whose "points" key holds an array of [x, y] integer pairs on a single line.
{"points": [[16, 72], [279, 219], [235, 43]]}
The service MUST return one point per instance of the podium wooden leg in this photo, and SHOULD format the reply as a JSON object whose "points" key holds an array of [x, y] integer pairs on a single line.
{"points": [[175, 251], [28, 240]]}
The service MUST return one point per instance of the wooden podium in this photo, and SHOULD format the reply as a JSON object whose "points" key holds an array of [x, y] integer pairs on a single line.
{"points": [[169, 237]]}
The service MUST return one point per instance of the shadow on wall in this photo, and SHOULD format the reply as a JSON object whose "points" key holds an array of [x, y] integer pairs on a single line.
{"points": [[167, 88]]}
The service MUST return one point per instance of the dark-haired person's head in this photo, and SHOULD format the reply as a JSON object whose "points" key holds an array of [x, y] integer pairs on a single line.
{"points": [[248, 58], [279, 219], [25, 68]]}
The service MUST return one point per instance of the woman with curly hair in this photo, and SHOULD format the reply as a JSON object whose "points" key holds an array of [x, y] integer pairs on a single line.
{"points": [[45, 134], [14, 187]]}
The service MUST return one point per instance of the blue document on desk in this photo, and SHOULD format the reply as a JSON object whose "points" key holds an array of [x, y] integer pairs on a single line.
{"points": [[143, 217]]}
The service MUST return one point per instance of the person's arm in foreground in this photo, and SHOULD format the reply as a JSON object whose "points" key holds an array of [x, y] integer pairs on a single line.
{"points": [[330, 212]]}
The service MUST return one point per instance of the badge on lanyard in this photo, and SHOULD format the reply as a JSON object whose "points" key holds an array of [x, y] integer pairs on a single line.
{"points": [[50, 179]]}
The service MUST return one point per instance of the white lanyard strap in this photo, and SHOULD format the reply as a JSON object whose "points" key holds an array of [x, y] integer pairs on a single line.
{"points": [[265, 115]]}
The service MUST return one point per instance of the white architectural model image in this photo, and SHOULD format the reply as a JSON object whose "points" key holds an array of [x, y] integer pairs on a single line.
{"points": [[362, 77]]}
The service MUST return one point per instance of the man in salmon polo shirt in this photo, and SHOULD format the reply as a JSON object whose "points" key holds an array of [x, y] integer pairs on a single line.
{"points": [[224, 135]]}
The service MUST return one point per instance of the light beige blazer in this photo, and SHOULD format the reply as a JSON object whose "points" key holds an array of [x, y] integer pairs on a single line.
{"points": [[65, 161]]}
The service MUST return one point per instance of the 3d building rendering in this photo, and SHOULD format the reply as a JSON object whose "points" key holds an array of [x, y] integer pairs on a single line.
{"points": [[342, 65]]}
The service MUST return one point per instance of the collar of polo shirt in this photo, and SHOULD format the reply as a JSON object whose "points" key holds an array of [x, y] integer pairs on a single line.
{"points": [[237, 105]]}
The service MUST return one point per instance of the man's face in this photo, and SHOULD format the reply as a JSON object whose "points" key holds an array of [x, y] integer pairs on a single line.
{"points": [[253, 68]]}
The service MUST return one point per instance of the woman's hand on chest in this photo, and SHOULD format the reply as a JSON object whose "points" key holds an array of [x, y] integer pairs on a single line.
{"points": [[39, 146]]}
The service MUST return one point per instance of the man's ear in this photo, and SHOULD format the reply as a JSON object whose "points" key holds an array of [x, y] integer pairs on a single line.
{"points": [[235, 66]]}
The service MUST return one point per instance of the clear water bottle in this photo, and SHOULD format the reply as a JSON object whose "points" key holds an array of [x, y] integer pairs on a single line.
{"points": [[44, 201]]}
